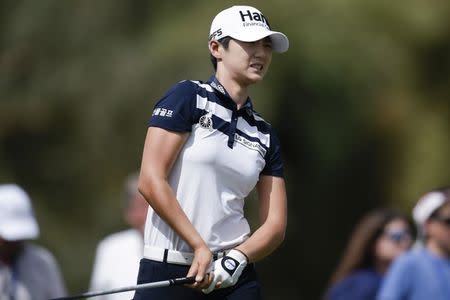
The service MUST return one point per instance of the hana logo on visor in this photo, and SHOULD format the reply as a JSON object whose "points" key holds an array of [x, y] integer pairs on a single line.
{"points": [[253, 18], [206, 121]]}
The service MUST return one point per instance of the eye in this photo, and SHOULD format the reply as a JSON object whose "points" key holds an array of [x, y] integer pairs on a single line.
{"points": [[267, 43]]}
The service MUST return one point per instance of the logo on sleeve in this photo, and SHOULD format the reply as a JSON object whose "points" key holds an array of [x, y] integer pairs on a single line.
{"points": [[163, 112]]}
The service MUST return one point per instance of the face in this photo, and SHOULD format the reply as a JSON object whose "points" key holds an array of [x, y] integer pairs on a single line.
{"points": [[244, 62], [438, 230], [9, 250], [395, 240], [136, 212]]}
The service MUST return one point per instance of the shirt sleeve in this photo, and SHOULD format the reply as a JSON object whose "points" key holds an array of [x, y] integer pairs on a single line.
{"points": [[45, 269], [57, 288], [174, 111], [274, 164]]}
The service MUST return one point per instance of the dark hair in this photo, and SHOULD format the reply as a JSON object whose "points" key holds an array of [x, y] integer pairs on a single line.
{"points": [[359, 252], [225, 41]]}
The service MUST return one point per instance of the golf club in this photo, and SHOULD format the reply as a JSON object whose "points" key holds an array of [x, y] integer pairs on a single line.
{"points": [[163, 283]]}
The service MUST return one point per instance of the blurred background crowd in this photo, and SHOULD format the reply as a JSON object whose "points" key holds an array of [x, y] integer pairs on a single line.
{"points": [[361, 102]]}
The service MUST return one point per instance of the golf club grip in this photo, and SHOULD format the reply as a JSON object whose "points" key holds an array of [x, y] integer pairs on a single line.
{"points": [[183, 280]]}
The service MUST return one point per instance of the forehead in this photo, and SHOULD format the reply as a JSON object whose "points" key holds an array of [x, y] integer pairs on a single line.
{"points": [[444, 209], [267, 39], [397, 223]]}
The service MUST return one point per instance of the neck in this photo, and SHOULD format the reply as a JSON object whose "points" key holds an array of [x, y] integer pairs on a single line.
{"points": [[9, 251], [436, 249], [381, 267], [238, 92]]}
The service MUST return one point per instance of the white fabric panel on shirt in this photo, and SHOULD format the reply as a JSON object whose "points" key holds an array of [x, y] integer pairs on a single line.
{"points": [[211, 181], [217, 109]]}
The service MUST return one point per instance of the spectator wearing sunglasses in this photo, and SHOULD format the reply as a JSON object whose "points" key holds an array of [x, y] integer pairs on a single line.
{"points": [[424, 273], [379, 238]]}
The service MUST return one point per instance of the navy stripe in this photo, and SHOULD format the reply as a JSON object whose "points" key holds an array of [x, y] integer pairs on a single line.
{"points": [[262, 126], [224, 127]]}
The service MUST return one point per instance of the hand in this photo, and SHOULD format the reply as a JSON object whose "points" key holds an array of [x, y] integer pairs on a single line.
{"points": [[227, 270], [200, 268]]}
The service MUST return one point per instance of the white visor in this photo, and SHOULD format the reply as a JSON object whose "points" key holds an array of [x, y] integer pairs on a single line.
{"points": [[247, 24]]}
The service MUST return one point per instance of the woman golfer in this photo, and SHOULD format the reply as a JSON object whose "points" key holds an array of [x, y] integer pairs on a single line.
{"points": [[205, 150]]}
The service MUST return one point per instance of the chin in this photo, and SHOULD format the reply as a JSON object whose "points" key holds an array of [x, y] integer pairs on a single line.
{"points": [[251, 79], [256, 78]]}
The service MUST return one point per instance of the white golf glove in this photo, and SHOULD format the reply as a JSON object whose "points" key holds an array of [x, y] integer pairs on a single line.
{"points": [[227, 270]]}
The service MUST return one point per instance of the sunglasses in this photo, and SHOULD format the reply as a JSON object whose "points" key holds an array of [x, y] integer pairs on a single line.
{"points": [[442, 219], [398, 235]]}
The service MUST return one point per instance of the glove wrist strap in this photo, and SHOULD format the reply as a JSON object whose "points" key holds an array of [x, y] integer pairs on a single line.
{"points": [[245, 255]]}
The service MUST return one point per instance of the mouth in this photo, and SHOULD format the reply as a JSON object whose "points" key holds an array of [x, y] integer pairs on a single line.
{"points": [[257, 66]]}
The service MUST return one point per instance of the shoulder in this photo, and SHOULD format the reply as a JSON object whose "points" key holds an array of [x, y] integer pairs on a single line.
{"points": [[267, 129], [406, 267], [188, 87], [38, 255], [184, 93], [402, 275], [259, 118], [364, 277], [366, 274], [263, 126], [409, 261], [361, 284]]}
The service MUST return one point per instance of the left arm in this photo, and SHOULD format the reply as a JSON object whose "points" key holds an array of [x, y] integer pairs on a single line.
{"points": [[272, 199], [273, 217]]}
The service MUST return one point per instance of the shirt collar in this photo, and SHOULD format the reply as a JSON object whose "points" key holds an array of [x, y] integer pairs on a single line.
{"points": [[215, 84]]}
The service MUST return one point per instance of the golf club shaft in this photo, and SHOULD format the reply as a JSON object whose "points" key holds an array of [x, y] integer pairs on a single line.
{"points": [[169, 282]]}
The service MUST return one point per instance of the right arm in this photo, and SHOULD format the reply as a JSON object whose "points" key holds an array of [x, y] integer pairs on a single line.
{"points": [[160, 152]]}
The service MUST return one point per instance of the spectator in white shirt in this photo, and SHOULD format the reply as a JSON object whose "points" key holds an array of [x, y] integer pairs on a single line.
{"points": [[117, 257]]}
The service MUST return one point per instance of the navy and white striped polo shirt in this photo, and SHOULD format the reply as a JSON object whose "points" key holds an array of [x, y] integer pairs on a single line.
{"points": [[218, 166]]}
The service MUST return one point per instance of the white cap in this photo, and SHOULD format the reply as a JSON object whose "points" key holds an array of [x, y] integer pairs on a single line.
{"points": [[17, 220], [247, 24], [426, 206]]}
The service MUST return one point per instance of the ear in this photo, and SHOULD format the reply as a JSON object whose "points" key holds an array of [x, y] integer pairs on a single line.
{"points": [[427, 227], [214, 49]]}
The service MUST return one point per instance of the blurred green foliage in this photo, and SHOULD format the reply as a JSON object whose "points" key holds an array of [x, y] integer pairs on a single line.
{"points": [[361, 102]]}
